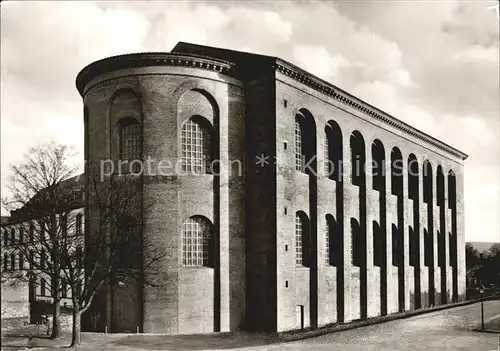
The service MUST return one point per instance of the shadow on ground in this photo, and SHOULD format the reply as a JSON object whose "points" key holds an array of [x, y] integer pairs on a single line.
{"points": [[219, 341]]}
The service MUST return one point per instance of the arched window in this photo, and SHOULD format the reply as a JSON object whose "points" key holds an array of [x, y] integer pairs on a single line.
{"points": [[412, 177], [397, 249], [452, 191], [378, 165], [299, 156], [356, 243], [198, 242], [427, 182], [333, 151], [440, 187], [328, 167], [396, 172], [197, 148], [302, 242], [427, 248], [358, 158], [128, 249], [413, 236], [378, 248], [130, 140], [332, 244]]}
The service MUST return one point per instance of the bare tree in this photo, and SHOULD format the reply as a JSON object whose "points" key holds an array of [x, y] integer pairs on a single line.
{"points": [[42, 196], [114, 249]]}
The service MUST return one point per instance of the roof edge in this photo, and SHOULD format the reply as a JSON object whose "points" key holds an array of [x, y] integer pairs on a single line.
{"points": [[333, 91]]}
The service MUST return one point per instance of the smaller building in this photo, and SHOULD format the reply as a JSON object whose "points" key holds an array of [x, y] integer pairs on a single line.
{"points": [[26, 287]]}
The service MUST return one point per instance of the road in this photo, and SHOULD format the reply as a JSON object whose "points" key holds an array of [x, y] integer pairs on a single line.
{"points": [[442, 330], [449, 329]]}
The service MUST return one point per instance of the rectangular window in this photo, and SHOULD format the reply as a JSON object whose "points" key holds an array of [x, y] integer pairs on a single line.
{"points": [[377, 245], [64, 224], [64, 290], [31, 259], [21, 261], [5, 262], [31, 232], [5, 238], [78, 257], [21, 234], [12, 236], [42, 287], [42, 259], [12, 262], [356, 244]]}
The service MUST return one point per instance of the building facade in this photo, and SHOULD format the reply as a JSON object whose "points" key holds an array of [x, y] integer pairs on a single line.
{"points": [[26, 256], [272, 222]]}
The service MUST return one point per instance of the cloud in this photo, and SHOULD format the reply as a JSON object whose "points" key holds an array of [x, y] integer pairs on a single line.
{"points": [[434, 66]]}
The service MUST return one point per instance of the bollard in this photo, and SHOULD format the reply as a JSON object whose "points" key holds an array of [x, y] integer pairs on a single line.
{"points": [[106, 329], [137, 330]]}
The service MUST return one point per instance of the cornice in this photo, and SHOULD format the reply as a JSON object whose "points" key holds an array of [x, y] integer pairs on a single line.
{"points": [[146, 59], [332, 91]]}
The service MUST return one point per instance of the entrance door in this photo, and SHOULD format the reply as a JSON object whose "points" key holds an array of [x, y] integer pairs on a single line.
{"points": [[299, 312]]}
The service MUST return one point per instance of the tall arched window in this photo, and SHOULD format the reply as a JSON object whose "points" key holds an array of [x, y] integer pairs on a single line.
{"points": [[332, 244], [358, 158], [333, 151], [396, 172], [356, 243], [302, 242], [427, 248], [129, 249], [396, 246], [412, 177], [378, 165], [130, 139], [378, 249], [197, 242], [130, 144], [299, 156], [427, 182], [197, 148]]}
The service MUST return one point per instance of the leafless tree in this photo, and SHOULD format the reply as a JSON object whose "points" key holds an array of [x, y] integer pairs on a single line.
{"points": [[114, 249], [48, 200], [41, 199]]}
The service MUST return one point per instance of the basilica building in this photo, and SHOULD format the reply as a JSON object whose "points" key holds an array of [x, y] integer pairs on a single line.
{"points": [[283, 201]]}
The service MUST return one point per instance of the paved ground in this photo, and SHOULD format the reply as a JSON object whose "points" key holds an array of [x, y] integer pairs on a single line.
{"points": [[444, 330]]}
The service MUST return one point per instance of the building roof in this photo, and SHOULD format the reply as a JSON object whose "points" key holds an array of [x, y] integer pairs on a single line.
{"points": [[69, 190], [243, 66], [4, 220]]}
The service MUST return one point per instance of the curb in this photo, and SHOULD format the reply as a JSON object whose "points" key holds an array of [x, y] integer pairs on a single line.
{"points": [[295, 335], [486, 331]]}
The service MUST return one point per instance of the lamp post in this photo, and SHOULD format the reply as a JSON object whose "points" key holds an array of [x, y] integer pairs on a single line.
{"points": [[481, 292]]}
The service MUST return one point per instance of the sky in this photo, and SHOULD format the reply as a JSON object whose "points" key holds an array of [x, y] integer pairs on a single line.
{"points": [[434, 65]]}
